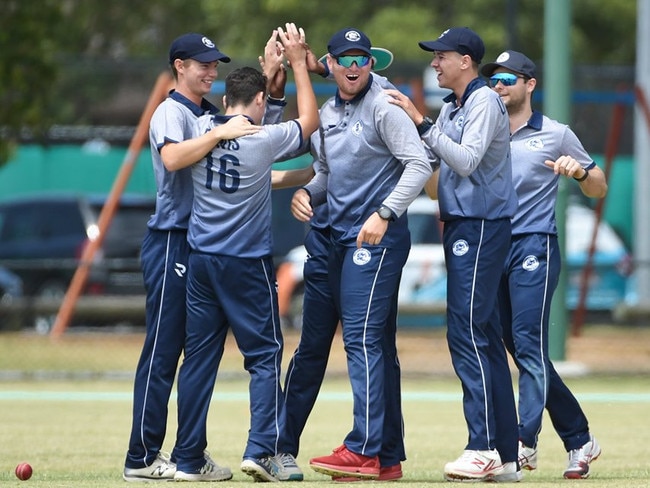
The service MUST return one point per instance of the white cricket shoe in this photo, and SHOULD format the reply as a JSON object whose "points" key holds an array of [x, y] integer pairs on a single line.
{"points": [[581, 458], [527, 457], [210, 471], [161, 469], [481, 466]]}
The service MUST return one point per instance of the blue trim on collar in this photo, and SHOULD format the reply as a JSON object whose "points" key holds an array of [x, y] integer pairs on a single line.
{"points": [[222, 119], [536, 120], [474, 85], [339, 101], [206, 107]]}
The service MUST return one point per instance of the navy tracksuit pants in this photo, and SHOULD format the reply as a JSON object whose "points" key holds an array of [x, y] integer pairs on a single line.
{"points": [[475, 252], [164, 259], [530, 277], [308, 364]]}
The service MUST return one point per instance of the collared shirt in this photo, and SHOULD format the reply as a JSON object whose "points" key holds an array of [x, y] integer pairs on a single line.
{"points": [[473, 144], [231, 215], [174, 120], [536, 184], [370, 154]]}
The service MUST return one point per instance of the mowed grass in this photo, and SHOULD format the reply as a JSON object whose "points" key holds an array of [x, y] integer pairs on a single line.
{"points": [[65, 407], [75, 433]]}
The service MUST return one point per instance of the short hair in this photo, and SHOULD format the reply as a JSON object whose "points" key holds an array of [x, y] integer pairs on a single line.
{"points": [[243, 84]]}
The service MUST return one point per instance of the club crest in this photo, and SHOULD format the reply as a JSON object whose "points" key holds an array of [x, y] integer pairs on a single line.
{"points": [[361, 256], [460, 247], [531, 263]]}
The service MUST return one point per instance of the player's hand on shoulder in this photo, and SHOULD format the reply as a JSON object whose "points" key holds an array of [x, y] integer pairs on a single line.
{"points": [[237, 126], [396, 97]]}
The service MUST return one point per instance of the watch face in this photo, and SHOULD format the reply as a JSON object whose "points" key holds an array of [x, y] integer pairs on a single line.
{"points": [[385, 213]]}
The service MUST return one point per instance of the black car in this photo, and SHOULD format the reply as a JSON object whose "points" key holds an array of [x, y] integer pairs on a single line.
{"points": [[43, 237]]}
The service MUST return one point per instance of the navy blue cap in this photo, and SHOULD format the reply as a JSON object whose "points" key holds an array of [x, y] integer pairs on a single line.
{"points": [[195, 46], [513, 61], [463, 40], [348, 39]]}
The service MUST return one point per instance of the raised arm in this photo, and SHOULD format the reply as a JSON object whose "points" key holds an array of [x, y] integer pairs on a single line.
{"points": [[296, 54]]}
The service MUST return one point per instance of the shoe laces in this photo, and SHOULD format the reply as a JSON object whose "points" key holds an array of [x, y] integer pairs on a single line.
{"points": [[164, 456], [342, 447], [469, 455], [286, 460], [575, 458], [266, 463]]}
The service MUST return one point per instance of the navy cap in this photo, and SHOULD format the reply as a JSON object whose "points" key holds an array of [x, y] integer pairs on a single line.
{"points": [[513, 61], [195, 46], [348, 39], [460, 39]]}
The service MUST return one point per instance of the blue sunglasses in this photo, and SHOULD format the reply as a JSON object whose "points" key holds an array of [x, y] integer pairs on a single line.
{"points": [[346, 61], [507, 79]]}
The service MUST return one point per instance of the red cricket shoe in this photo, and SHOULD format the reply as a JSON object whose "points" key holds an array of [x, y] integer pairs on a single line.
{"points": [[343, 463], [386, 473]]}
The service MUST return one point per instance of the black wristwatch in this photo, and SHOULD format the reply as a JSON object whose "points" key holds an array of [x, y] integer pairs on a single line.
{"points": [[425, 125], [385, 213]]}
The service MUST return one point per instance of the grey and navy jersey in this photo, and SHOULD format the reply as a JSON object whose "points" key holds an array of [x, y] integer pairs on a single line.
{"points": [[536, 184], [231, 214], [174, 120], [473, 143], [370, 154]]}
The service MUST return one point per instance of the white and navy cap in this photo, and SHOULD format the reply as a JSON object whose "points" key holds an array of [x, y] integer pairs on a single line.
{"points": [[195, 46], [513, 61], [350, 38]]}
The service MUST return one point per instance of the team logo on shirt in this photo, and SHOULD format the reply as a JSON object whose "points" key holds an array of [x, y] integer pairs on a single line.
{"points": [[535, 144], [361, 257], [531, 263], [357, 128], [460, 121], [460, 247]]}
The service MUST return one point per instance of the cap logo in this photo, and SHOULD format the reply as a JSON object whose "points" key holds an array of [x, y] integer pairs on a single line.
{"points": [[503, 57], [352, 36], [443, 34], [208, 43]]}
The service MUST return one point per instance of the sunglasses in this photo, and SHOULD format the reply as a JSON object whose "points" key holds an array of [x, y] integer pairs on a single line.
{"points": [[346, 61], [507, 79]]}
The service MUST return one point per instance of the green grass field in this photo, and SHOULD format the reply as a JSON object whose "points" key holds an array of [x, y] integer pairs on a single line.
{"points": [[74, 433], [65, 407]]}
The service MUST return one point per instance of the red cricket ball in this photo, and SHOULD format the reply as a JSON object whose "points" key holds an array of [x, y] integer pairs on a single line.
{"points": [[23, 471]]}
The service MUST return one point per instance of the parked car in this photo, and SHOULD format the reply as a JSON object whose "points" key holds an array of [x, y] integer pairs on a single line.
{"points": [[42, 238], [423, 289]]}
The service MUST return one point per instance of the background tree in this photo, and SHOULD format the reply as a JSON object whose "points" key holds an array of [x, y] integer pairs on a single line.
{"points": [[93, 62]]}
